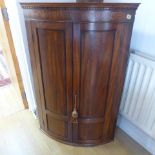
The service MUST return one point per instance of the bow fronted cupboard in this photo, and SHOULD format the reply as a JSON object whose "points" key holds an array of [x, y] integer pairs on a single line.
{"points": [[79, 54]]}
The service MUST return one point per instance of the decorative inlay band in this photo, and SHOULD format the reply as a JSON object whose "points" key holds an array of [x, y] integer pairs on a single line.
{"points": [[72, 6]]}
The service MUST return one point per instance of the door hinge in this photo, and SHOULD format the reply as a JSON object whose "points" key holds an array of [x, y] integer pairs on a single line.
{"points": [[23, 95], [43, 123], [32, 38], [5, 14]]}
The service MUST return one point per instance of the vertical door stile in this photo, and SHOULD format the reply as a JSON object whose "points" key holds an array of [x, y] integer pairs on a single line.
{"points": [[38, 72], [69, 80], [76, 75]]}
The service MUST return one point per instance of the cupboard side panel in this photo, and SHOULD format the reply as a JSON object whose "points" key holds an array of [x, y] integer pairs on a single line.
{"points": [[33, 59], [117, 77]]}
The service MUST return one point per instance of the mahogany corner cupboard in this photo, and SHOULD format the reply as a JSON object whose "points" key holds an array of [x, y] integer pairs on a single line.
{"points": [[79, 54]]}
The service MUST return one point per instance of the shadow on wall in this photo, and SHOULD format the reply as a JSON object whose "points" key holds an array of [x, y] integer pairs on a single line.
{"points": [[144, 43], [143, 37]]}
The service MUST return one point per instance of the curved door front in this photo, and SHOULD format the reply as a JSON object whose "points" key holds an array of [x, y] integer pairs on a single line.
{"points": [[53, 45]]}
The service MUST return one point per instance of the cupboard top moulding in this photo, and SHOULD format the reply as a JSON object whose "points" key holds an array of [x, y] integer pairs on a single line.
{"points": [[93, 12]]}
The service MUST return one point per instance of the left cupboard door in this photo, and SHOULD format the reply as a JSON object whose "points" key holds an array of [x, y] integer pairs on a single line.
{"points": [[52, 44]]}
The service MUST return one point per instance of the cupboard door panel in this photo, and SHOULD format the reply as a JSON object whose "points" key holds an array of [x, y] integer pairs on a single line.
{"points": [[90, 131], [96, 55], [53, 45], [52, 55], [96, 42], [57, 126]]}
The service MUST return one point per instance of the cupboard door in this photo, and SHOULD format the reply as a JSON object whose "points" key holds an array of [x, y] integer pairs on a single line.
{"points": [[93, 51], [53, 46]]}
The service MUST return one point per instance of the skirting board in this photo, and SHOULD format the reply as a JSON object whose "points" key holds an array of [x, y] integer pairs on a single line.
{"points": [[139, 136]]}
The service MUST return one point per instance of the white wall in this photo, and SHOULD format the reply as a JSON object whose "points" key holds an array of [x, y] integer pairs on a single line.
{"points": [[143, 36], [18, 30]]}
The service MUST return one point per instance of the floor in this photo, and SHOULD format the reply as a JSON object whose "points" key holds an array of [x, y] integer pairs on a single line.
{"points": [[9, 101], [20, 135], [4, 71]]}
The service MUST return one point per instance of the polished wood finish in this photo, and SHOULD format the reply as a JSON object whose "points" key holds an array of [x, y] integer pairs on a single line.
{"points": [[96, 42], [52, 44], [80, 5], [79, 53]]}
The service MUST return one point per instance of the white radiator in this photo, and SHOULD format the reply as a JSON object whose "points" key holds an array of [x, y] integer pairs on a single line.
{"points": [[138, 99]]}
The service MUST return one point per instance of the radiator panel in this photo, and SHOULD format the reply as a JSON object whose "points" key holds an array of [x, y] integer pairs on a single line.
{"points": [[138, 99]]}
